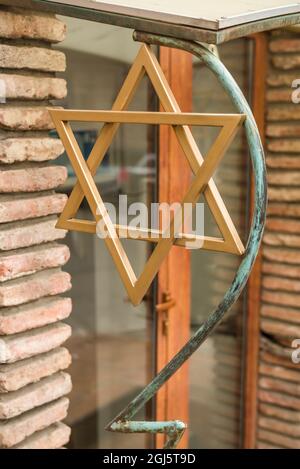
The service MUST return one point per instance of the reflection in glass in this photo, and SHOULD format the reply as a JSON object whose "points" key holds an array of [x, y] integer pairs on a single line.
{"points": [[112, 341], [215, 371]]}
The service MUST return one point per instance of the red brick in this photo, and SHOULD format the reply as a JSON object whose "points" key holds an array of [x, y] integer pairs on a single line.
{"points": [[289, 256], [284, 270], [29, 232], [25, 118], [275, 78], [279, 95], [279, 412], [25, 87], [35, 286], [286, 62], [28, 178], [278, 426], [285, 360], [20, 207], [283, 162], [283, 130], [278, 439], [284, 314], [17, 375], [280, 298], [36, 149], [279, 372], [283, 225], [278, 283], [280, 239], [284, 194], [53, 437], [17, 429], [286, 178], [280, 399], [27, 261], [263, 445], [284, 209], [280, 328], [27, 24], [284, 145], [285, 45], [28, 344], [34, 395], [283, 112], [38, 313], [34, 58]]}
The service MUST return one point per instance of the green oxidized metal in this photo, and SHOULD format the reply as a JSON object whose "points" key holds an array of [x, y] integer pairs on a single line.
{"points": [[175, 429]]}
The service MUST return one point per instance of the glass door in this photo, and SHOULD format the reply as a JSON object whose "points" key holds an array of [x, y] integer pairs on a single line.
{"points": [[117, 348], [113, 343], [216, 370]]}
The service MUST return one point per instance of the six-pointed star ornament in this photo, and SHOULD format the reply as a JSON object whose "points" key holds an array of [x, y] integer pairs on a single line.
{"points": [[202, 182]]}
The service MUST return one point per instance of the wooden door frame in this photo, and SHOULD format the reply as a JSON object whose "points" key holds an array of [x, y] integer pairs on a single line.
{"points": [[252, 323], [173, 181]]}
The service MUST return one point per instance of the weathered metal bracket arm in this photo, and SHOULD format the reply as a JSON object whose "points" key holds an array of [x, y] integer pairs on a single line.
{"points": [[175, 429]]}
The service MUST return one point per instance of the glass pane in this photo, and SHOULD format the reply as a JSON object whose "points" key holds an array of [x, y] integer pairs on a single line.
{"points": [[215, 370], [112, 340]]}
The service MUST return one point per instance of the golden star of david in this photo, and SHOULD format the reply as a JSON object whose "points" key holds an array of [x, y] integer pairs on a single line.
{"points": [[203, 170]]}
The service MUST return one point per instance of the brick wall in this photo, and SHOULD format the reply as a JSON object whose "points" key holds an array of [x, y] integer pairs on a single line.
{"points": [[279, 377], [33, 384]]}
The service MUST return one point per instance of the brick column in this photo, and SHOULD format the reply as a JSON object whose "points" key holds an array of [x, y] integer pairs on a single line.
{"points": [[33, 384], [279, 377]]}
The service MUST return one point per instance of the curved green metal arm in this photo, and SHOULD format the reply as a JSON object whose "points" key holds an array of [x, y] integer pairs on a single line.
{"points": [[175, 429]]}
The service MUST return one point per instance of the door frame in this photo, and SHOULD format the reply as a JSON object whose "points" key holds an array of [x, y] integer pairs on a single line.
{"points": [[252, 323], [173, 325]]}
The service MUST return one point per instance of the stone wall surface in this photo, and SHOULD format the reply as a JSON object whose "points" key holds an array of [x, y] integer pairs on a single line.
{"points": [[33, 305], [279, 377]]}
